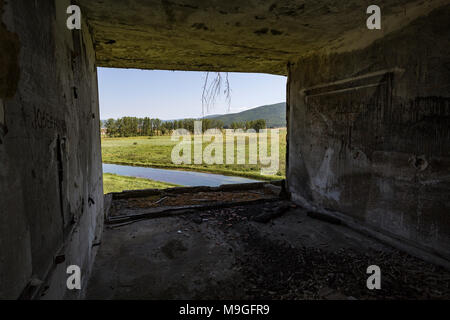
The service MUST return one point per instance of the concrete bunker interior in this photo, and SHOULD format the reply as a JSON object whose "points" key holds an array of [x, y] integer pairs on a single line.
{"points": [[368, 134]]}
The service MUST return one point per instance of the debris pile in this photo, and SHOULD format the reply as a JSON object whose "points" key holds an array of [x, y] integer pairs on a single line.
{"points": [[277, 269]]}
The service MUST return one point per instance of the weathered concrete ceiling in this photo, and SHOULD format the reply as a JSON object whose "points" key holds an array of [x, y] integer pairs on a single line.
{"points": [[235, 35]]}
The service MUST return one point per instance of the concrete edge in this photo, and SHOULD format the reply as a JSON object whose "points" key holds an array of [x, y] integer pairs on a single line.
{"points": [[177, 190]]}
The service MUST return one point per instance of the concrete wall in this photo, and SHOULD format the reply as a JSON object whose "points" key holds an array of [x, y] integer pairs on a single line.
{"points": [[369, 133], [51, 197]]}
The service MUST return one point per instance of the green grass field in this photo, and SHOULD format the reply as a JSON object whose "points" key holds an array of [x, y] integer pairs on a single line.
{"points": [[156, 152], [116, 183]]}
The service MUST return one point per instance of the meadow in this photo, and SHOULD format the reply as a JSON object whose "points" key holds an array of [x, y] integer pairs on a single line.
{"points": [[156, 151], [116, 183]]}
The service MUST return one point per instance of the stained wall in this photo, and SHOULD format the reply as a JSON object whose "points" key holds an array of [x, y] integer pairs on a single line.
{"points": [[51, 203], [369, 133]]}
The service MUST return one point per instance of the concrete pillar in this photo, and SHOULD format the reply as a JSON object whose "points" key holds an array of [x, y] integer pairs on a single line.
{"points": [[369, 133], [51, 203]]}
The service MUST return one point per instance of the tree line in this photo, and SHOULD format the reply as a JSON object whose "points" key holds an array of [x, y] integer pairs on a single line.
{"points": [[254, 124], [132, 126]]}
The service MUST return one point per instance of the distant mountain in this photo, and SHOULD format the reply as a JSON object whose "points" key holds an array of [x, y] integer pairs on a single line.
{"points": [[274, 114]]}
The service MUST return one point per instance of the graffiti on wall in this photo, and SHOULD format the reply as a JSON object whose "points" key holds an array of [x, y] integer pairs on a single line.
{"points": [[42, 119]]}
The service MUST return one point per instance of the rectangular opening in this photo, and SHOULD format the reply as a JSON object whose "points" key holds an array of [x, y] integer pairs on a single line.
{"points": [[163, 129]]}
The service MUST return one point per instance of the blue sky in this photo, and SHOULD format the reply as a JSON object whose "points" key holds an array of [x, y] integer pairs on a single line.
{"points": [[171, 95]]}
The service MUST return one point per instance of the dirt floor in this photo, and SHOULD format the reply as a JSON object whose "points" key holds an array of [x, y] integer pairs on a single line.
{"points": [[267, 250]]}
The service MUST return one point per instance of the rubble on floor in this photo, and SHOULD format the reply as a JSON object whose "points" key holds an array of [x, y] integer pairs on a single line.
{"points": [[271, 249]]}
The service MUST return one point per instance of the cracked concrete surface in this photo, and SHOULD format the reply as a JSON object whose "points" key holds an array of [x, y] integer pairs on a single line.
{"points": [[244, 36]]}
